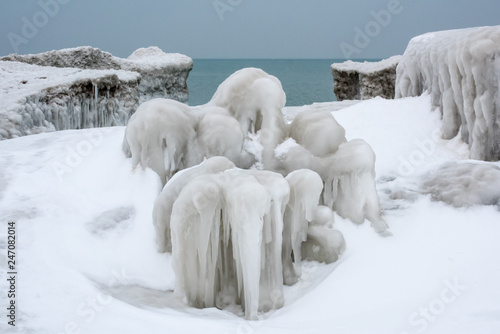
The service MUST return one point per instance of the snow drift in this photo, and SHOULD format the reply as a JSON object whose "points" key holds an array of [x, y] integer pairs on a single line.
{"points": [[237, 235], [463, 184], [460, 69]]}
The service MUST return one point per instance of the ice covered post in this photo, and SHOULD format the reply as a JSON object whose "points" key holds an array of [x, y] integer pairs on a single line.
{"points": [[460, 69]]}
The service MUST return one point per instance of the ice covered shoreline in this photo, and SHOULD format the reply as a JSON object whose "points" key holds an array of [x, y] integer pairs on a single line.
{"points": [[84, 87], [460, 69]]}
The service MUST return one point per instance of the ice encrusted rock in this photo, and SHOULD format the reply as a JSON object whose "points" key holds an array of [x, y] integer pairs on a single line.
{"points": [[460, 69], [36, 99], [83, 88], [362, 81], [162, 74]]}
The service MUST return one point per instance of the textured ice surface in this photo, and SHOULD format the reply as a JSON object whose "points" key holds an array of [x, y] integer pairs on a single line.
{"points": [[255, 99], [161, 135], [38, 99], [248, 102], [463, 184], [346, 168], [227, 240], [361, 81], [83, 88], [305, 190], [165, 201], [460, 69]]}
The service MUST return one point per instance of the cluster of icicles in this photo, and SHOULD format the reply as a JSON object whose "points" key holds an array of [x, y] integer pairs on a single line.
{"points": [[252, 195]]}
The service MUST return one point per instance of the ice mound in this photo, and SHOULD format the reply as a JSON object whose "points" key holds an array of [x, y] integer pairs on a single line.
{"points": [[165, 131], [346, 168], [464, 184], [227, 239], [460, 69], [161, 135], [237, 235], [255, 99]]}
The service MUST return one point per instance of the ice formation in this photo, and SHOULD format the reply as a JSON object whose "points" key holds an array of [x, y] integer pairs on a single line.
{"points": [[255, 99], [464, 184], [163, 206], [250, 100], [161, 135], [237, 235], [346, 168], [323, 243], [460, 69], [362, 81], [83, 88], [226, 231], [305, 190]]}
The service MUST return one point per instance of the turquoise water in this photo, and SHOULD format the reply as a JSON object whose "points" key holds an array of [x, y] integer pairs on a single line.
{"points": [[304, 81]]}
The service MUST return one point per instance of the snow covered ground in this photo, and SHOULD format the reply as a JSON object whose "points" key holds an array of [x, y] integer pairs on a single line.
{"points": [[87, 258]]}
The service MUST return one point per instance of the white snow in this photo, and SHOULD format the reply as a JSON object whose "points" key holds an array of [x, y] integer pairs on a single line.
{"points": [[460, 69], [88, 258], [367, 67]]}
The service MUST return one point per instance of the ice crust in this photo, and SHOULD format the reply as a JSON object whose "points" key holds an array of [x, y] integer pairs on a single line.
{"points": [[460, 69], [84, 87], [237, 235]]}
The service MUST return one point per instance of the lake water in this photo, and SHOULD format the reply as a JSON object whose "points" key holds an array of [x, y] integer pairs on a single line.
{"points": [[304, 80]]}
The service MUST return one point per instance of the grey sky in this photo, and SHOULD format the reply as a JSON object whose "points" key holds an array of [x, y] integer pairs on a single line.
{"points": [[235, 28]]}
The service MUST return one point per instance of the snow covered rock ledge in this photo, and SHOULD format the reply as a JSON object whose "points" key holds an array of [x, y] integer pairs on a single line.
{"points": [[362, 81], [84, 88], [460, 69], [36, 99], [162, 74]]}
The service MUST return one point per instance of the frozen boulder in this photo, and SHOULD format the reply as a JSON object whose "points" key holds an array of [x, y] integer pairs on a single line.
{"points": [[460, 69]]}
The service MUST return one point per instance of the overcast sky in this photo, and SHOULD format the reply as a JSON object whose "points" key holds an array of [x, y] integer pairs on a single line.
{"points": [[236, 28]]}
